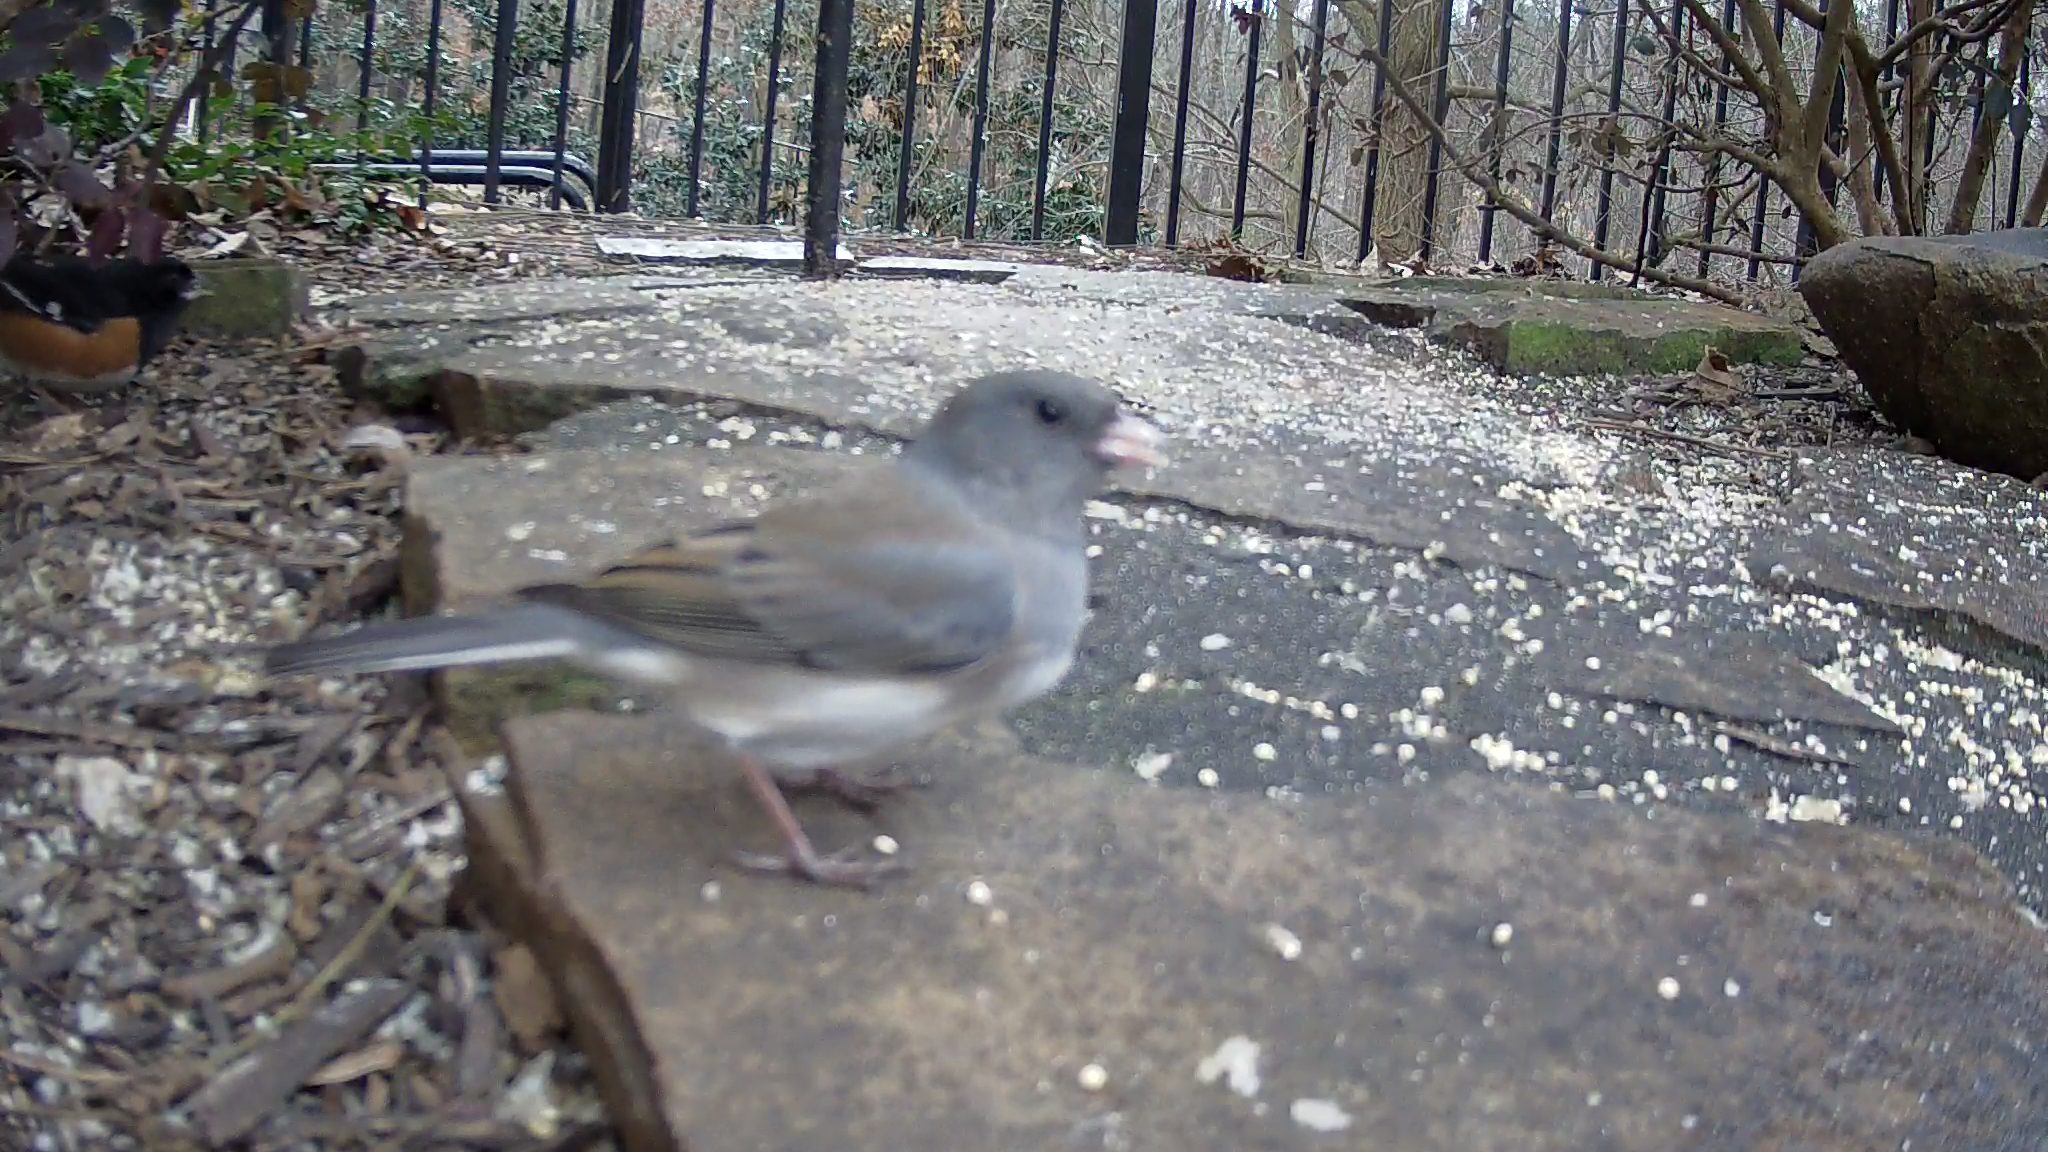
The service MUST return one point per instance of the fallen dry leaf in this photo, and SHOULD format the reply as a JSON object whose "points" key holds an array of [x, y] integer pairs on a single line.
{"points": [[524, 997], [381, 1056], [1715, 380]]}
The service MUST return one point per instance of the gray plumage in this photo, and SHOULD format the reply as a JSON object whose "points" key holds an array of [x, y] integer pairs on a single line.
{"points": [[950, 583]]}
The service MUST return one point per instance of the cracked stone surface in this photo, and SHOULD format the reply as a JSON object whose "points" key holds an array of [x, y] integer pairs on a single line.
{"points": [[1389, 656], [779, 345], [1080, 960]]}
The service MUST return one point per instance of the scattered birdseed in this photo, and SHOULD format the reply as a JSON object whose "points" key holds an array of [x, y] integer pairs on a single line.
{"points": [[1286, 943]]}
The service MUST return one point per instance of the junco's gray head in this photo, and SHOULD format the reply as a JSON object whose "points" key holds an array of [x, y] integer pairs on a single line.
{"points": [[1042, 438]]}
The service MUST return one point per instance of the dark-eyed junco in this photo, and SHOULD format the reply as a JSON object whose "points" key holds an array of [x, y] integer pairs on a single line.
{"points": [[76, 325], [950, 583]]}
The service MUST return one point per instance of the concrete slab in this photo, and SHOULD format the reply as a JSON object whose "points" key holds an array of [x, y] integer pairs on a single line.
{"points": [[979, 271], [753, 253], [1080, 960], [1528, 326]]}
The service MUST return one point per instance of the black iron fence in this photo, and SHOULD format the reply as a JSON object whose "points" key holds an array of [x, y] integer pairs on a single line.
{"points": [[1615, 156]]}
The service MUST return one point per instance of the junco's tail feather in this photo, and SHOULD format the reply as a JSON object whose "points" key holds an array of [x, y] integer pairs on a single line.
{"points": [[516, 632]]}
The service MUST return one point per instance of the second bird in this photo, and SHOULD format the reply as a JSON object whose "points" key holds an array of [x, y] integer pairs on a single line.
{"points": [[949, 584], [74, 325]]}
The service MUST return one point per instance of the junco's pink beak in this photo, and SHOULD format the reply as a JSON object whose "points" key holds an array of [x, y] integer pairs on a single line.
{"points": [[1130, 439]]}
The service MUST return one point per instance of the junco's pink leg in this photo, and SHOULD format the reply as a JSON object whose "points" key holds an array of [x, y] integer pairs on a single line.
{"points": [[798, 858]]}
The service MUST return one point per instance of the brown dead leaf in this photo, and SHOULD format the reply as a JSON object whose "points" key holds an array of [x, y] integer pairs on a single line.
{"points": [[58, 432], [1715, 380], [381, 1056], [309, 891], [120, 435], [524, 997]]}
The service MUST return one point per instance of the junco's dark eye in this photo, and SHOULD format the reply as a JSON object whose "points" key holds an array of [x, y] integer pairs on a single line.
{"points": [[1050, 412]]}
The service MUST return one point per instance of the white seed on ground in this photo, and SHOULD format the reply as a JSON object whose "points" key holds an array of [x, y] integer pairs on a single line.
{"points": [[1093, 1078], [1215, 642], [1667, 988], [1264, 751], [1319, 1115], [1286, 943], [886, 844], [1503, 934], [1208, 778], [979, 893]]}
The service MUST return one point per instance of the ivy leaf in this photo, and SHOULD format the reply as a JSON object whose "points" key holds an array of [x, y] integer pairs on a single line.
{"points": [[78, 183], [158, 14], [117, 34], [21, 121], [107, 229], [46, 26], [86, 57], [83, 11], [26, 60]]}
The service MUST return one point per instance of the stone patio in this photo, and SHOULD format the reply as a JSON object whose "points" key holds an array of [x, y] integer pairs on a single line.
{"points": [[1425, 782]]}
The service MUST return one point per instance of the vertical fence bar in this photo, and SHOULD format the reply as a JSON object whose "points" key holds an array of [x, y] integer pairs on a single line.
{"points": [[1305, 209], [1180, 124], [1548, 205], [980, 145], [1711, 192], [620, 115], [1889, 100], [1439, 108], [1488, 209], [501, 94], [427, 105], [1244, 127], [276, 24], [1650, 240], [1133, 112], [306, 42], [1603, 214], [1763, 182], [697, 114], [363, 63], [828, 139], [1052, 72], [908, 153], [2023, 113], [203, 105], [1372, 152], [768, 113], [562, 103]]}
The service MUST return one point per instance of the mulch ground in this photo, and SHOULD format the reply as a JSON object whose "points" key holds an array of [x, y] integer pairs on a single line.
{"points": [[230, 910]]}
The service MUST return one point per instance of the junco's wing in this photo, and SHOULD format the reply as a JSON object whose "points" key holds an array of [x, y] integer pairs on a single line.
{"points": [[891, 576], [887, 577]]}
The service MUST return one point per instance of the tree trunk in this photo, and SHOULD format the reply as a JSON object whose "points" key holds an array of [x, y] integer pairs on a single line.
{"points": [[2012, 43], [1916, 112], [1290, 108], [1404, 138], [2037, 201]]}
